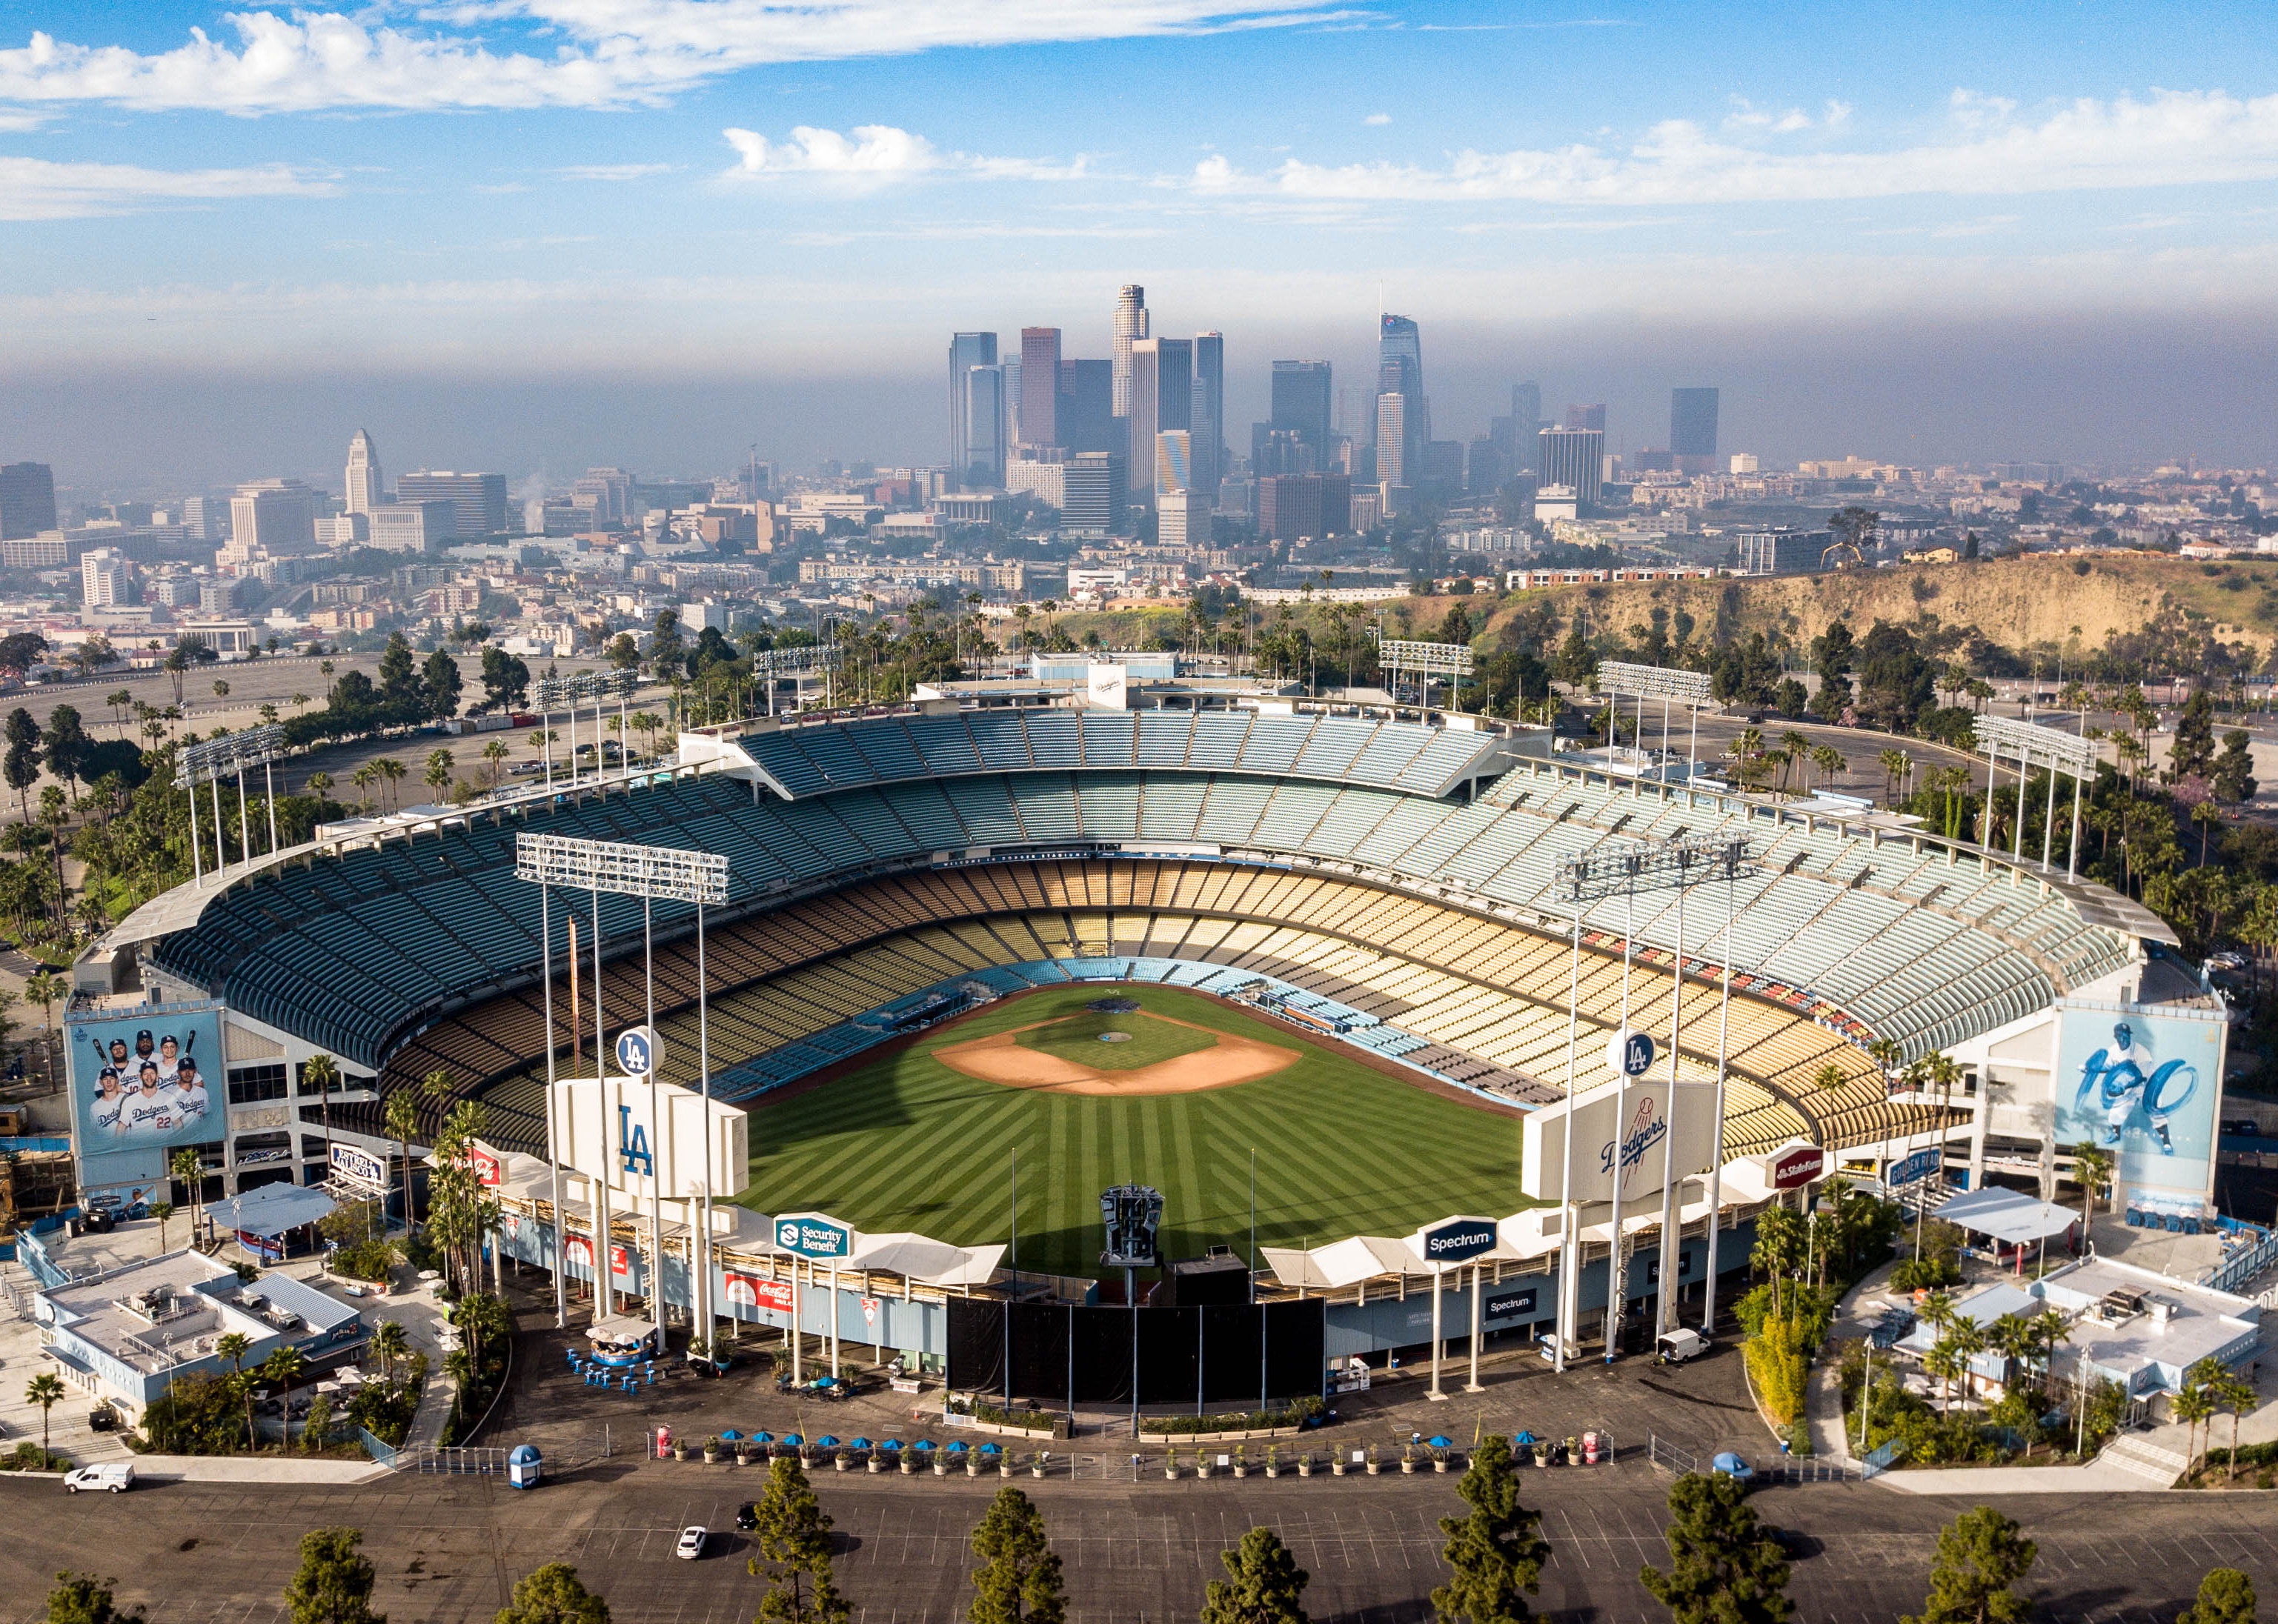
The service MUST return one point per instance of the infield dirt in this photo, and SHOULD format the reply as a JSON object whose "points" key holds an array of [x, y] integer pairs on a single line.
{"points": [[1000, 1057]]}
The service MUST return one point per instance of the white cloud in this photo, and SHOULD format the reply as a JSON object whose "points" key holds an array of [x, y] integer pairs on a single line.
{"points": [[1378, 118], [13, 119], [577, 53], [875, 155], [614, 172], [2171, 138], [36, 189]]}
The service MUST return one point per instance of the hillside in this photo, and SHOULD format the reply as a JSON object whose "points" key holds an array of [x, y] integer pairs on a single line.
{"points": [[2018, 603]]}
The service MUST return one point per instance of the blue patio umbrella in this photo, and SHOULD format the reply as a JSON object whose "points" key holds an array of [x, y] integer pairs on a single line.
{"points": [[763, 1437], [1523, 1441], [731, 1436], [857, 1443], [827, 1441], [1437, 1442], [991, 1449], [922, 1443], [793, 1439], [958, 1446], [889, 1443]]}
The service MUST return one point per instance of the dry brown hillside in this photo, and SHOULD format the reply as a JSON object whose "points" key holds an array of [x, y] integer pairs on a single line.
{"points": [[2016, 602]]}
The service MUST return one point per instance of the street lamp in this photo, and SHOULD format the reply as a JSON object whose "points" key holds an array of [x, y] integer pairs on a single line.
{"points": [[674, 874]]}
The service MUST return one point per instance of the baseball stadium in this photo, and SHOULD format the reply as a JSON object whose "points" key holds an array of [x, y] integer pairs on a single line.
{"points": [[1366, 906]]}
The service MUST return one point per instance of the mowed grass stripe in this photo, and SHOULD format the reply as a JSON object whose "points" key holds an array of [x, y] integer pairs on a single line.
{"points": [[1343, 1149]]}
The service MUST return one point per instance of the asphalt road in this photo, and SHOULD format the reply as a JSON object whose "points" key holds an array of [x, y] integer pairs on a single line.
{"points": [[451, 1548]]}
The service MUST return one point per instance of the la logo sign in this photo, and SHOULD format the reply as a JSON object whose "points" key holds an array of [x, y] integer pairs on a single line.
{"points": [[639, 1053]]}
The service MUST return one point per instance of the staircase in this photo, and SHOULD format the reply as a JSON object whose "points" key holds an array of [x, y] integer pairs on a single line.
{"points": [[2148, 1455]]}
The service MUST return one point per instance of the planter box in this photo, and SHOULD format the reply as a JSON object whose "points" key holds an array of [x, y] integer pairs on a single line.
{"points": [[1057, 1430], [1214, 1438]]}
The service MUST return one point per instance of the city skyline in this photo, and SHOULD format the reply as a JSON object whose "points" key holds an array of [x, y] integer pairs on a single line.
{"points": [[1890, 243]]}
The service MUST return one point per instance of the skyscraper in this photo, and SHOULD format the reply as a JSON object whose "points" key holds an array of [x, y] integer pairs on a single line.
{"points": [[1526, 406], [1575, 457], [1040, 386], [477, 500], [363, 474], [1087, 406], [1130, 327], [966, 351], [1162, 397], [1394, 466], [1586, 417], [27, 500], [1400, 370], [1693, 430], [1174, 462], [983, 411], [1301, 402], [1207, 417]]}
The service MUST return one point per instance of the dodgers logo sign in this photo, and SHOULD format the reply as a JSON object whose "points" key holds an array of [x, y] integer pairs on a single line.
{"points": [[633, 1152], [1647, 1128], [639, 1053], [1629, 1053]]}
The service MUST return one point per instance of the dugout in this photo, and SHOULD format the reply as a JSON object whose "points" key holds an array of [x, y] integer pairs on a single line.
{"points": [[1068, 1354]]}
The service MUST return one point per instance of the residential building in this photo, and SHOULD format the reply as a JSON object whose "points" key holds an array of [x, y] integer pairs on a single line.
{"points": [[966, 351], [478, 500], [1130, 327], [106, 579], [983, 466], [415, 526], [1693, 430], [1207, 416], [364, 483], [218, 596], [1291, 507], [27, 500], [1040, 386], [1575, 458], [271, 515]]}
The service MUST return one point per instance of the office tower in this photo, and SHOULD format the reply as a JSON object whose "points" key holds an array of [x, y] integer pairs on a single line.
{"points": [[1206, 418], [363, 474], [1162, 398], [1486, 466], [1526, 406], [982, 412], [1086, 405], [106, 580], [966, 351], [1094, 497], [1592, 418], [1575, 458], [1182, 519], [1400, 370], [1130, 327], [1392, 439], [478, 500], [1693, 430], [1040, 386], [1301, 403], [415, 526], [271, 515], [1011, 367], [608, 492], [27, 500], [1279, 451], [1441, 476], [1174, 462], [1291, 507], [205, 518]]}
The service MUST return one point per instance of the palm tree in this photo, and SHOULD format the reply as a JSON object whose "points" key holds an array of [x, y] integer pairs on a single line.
{"points": [[233, 1346], [45, 1389], [392, 772], [403, 1122], [186, 1168], [319, 784], [1830, 762], [2195, 1405], [389, 1341], [300, 703], [439, 771], [363, 778], [1966, 1338], [44, 988], [120, 701], [284, 1368], [2091, 1165], [162, 1211], [494, 754]]}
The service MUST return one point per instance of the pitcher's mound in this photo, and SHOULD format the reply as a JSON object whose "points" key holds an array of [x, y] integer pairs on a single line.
{"points": [[1219, 1063]]}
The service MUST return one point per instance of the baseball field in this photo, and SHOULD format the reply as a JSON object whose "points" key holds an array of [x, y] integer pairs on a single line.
{"points": [[1174, 1090]]}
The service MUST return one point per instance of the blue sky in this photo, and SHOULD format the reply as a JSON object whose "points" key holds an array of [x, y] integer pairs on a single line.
{"points": [[711, 193]]}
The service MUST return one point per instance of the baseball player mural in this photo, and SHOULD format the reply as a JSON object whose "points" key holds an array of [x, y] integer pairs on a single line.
{"points": [[2145, 1087]]}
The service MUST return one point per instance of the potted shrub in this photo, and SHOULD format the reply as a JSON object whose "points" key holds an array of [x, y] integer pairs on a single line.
{"points": [[1203, 1467], [679, 1450], [711, 1450], [1005, 1464], [1440, 1458], [840, 1458], [1036, 1466], [1375, 1461], [1241, 1461], [972, 1464], [1336, 1463], [1573, 1451], [940, 1462], [907, 1462], [877, 1463], [1170, 1465], [1305, 1464], [1273, 1460], [1408, 1459], [1541, 1452]]}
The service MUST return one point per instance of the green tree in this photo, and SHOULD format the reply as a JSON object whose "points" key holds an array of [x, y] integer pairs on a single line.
{"points": [[67, 746], [1723, 1568], [1496, 1549], [1981, 1555], [1264, 1584], [2234, 769], [398, 676], [335, 1581], [440, 684], [794, 1537], [281, 1369], [20, 765], [2192, 754], [81, 1598], [553, 1595], [2226, 1596], [1019, 1576], [233, 1346], [2091, 1165], [45, 1389]]}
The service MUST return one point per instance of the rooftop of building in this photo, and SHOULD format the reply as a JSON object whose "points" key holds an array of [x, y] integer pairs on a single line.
{"points": [[169, 1310]]}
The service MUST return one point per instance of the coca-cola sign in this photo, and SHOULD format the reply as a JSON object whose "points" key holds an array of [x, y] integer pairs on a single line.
{"points": [[1797, 1166]]}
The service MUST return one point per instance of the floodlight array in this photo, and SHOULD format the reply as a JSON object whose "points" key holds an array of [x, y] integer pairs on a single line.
{"points": [[786, 662], [669, 873], [1633, 682], [561, 693], [228, 754], [1619, 867], [2000, 736], [1432, 659]]}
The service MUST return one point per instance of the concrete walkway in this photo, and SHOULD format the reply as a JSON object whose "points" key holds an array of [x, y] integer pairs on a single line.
{"points": [[2097, 1477], [254, 1469]]}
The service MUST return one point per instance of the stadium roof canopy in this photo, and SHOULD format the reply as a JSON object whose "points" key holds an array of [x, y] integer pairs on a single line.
{"points": [[2008, 1215]]}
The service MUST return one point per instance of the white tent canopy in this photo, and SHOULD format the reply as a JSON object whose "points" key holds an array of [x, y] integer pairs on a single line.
{"points": [[2008, 1215]]}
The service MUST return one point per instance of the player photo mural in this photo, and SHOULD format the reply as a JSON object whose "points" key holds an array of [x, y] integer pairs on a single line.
{"points": [[2143, 1086], [140, 1082]]}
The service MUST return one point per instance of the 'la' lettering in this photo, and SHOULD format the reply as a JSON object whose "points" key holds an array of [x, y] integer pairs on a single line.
{"points": [[632, 1145]]}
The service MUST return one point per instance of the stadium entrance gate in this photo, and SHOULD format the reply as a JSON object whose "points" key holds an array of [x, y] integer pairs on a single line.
{"points": [[1071, 1354]]}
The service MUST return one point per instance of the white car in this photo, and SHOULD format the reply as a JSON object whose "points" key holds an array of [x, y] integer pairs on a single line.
{"points": [[691, 1544], [113, 1475]]}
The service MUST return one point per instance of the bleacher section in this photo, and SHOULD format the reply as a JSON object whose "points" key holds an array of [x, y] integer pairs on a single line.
{"points": [[355, 950]]}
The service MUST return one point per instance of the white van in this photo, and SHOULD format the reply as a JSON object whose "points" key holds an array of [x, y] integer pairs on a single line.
{"points": [[114, 1475], [1674, 1348]]}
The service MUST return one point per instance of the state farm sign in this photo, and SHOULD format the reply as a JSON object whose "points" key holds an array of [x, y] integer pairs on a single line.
{"points": [[1796, 1166]]}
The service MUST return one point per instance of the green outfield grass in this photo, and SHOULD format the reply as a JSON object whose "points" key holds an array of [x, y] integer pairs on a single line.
{"points": [[1343, 1148], [1081, 1037]]}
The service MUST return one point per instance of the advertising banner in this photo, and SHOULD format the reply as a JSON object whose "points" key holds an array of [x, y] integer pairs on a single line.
{"points": [[149, 1080], [2144, 1085], [1666, 1131], [751, 1292]]}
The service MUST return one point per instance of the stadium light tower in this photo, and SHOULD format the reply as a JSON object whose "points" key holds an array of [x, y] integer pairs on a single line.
{"points": [[1428, 660], [1619, 680], [1622, 870], [563, 693], [649, 872], [2000, 736], [208, 761]]}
